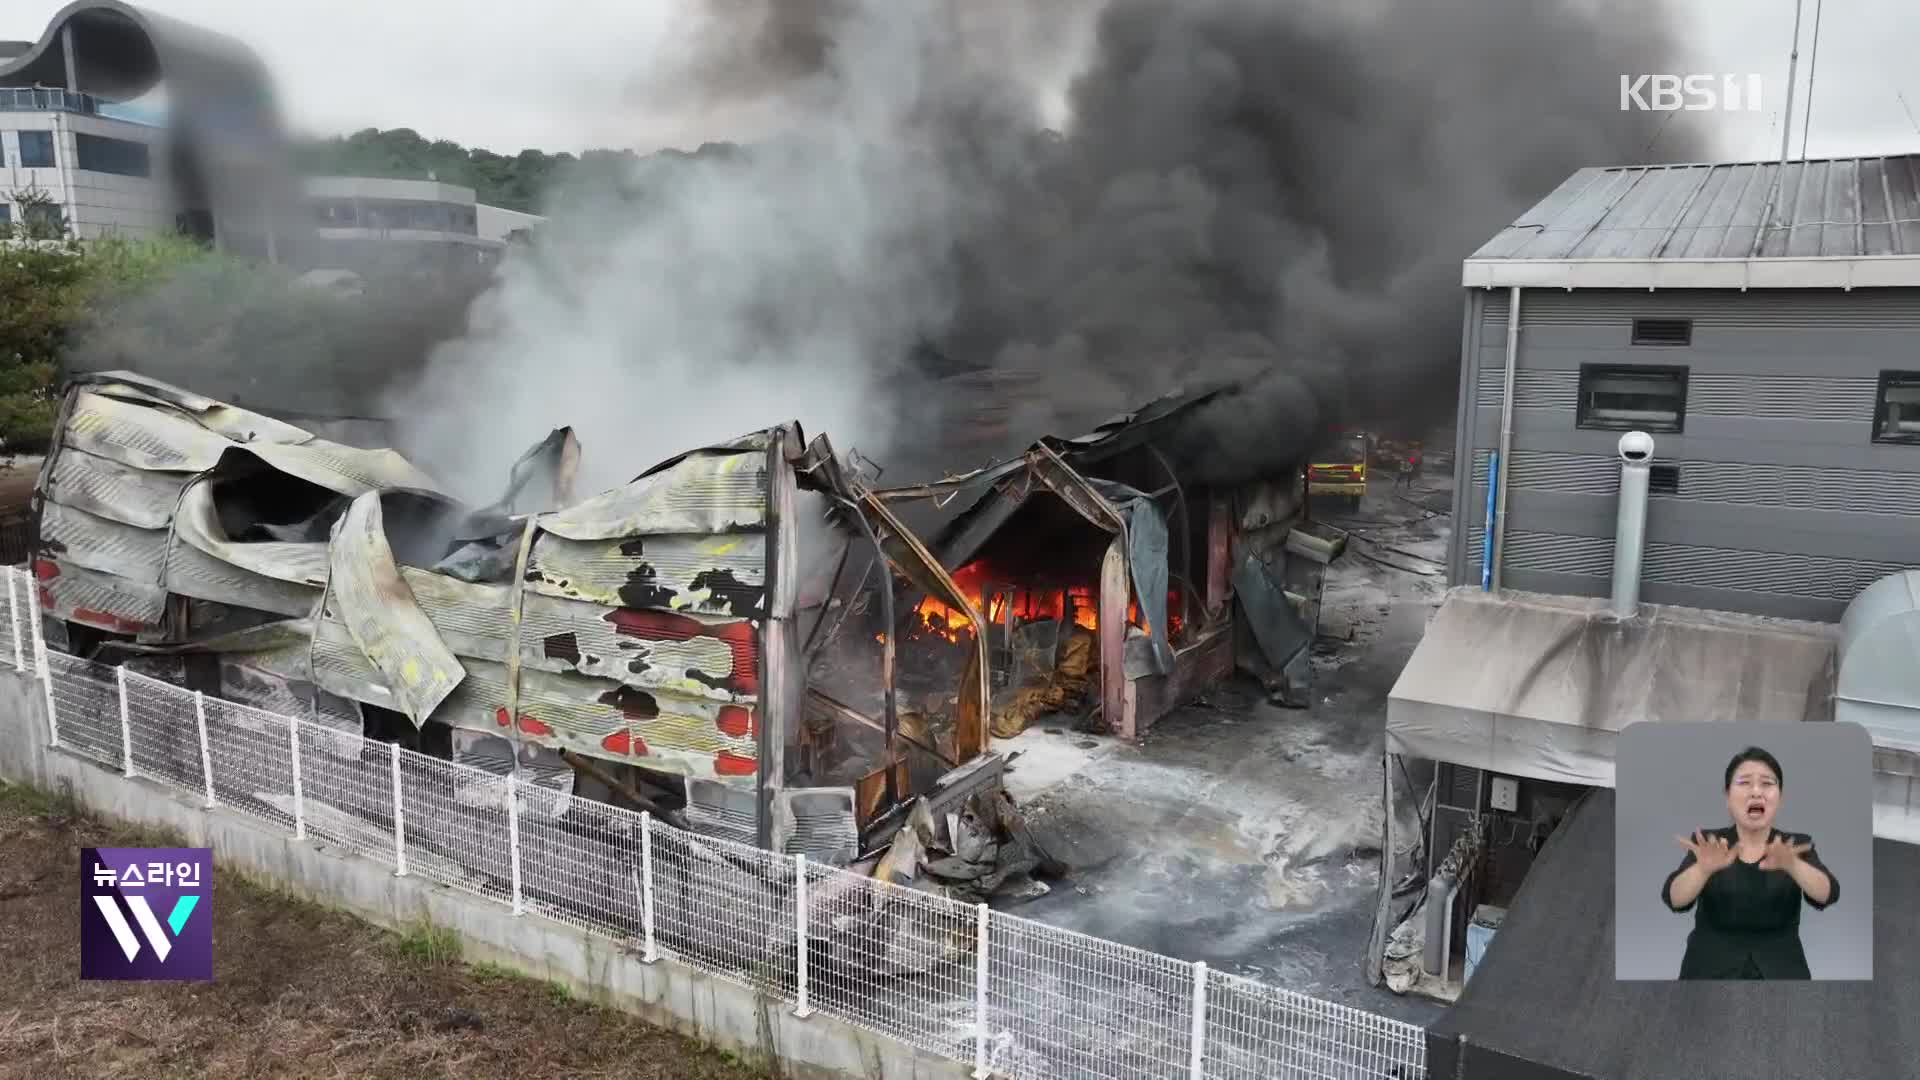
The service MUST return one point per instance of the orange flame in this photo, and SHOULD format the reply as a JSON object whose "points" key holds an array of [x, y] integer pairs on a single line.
{"points": [[1082, 602]]}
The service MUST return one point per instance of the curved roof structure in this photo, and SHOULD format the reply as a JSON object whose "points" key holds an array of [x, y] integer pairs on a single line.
{"points": [[225, 125], [122, 52]]}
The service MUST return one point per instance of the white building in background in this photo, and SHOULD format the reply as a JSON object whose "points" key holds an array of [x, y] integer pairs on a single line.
{"points": [[364, 221], [100, 169], [507, 225]]}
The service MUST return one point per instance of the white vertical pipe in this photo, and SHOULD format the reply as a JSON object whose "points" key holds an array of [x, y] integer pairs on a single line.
{"points": [[126, 723], [1630, 527], [980, 1070], [646, 890], [299, 796], [513, 839], [206, 756], [800, 932], [1198, 1067], [399, 815], [42, 662], [13, 620]]}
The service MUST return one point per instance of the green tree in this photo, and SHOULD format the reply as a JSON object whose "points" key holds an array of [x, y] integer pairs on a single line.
{"points": [[51, 292]]}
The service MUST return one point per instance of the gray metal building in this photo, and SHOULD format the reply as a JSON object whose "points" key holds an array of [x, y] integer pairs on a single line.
{"points": [[1763, 323]]}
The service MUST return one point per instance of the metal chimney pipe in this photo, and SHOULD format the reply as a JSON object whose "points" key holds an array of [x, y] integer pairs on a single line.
{"points": [[1630, 530]]}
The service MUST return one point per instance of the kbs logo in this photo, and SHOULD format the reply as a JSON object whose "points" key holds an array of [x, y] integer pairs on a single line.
{"points": [[146, 913], [1693, 93]]}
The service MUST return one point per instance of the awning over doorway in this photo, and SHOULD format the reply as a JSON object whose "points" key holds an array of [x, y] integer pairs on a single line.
{"points": [[1540, 686]]}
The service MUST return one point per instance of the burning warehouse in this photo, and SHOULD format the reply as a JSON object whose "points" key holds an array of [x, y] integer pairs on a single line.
{"points": [[646, 646], [1110, 577], [687, 643]]}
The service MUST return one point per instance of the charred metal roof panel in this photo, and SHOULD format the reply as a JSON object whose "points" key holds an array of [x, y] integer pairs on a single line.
{"points": [[366, 590], [712, 575], [107, 601], [707, 492], [102, 486]]}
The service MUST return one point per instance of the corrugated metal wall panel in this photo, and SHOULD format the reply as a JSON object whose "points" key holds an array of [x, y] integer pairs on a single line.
{"points": [[97, 543], [723, 574], [69, 591], [1735, 483], [1784, 397], [1531, 389], [1776, 309], [114, 491], [1808, 576]]}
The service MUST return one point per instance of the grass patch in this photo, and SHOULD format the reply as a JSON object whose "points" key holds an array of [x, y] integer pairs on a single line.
{"points": [[426, 943], [21, 800]]}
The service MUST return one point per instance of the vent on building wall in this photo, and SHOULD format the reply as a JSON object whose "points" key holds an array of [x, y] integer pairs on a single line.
{"points": [[1663, 331], [1632, 397], [1663, 480]]}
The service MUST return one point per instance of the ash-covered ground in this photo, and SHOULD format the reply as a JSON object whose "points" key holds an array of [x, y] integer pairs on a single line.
{"points": [[1242, 833]]}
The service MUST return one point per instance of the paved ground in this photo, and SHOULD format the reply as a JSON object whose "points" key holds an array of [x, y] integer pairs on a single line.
{"points": [[299, 991], [1241, 833]]}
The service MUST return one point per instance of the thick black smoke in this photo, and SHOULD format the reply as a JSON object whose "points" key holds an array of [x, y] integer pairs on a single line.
{"points": [[1276, 195], [1268, 193]]}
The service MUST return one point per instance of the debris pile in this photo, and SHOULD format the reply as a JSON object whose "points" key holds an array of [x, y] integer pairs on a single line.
{"points": [[978, 850], [1062, 685]]}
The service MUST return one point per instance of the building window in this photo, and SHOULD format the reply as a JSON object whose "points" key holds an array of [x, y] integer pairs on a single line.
{"points": [[6, 215], [1663, 479], [335, 214], [121, 157], [1632, 398], [1897, 410], [1663, 331], [36, 150]]}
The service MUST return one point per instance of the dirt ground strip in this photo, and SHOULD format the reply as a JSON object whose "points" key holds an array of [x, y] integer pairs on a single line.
{"points": [[298, 990]]}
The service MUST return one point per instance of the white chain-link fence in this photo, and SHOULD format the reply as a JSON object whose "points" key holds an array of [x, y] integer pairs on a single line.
{"points": [[1016, 998]]}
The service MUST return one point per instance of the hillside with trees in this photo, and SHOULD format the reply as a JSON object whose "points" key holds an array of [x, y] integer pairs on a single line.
{"points": [[513, 182]]}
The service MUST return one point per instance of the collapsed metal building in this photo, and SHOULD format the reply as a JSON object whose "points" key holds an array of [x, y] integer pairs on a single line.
{"points": [[667, 644], [643, 645]]}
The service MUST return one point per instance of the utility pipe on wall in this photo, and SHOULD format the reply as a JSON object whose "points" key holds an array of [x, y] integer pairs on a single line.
{"points": [[1492, 556], [1630, 527], [1438, 947]]}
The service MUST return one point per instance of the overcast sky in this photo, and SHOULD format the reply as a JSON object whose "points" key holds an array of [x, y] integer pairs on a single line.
{"points": [[492, 74]]}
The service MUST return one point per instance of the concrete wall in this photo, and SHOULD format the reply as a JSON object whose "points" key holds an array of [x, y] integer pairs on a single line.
{"points": [[1785, 505], [665, 993]]}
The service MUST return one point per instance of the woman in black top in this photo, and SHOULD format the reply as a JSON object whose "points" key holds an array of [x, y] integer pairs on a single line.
{"points": [[1748, 879]]}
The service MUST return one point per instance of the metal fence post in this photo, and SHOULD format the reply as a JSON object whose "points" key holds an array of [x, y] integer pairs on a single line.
{"points": [[206, 758], [1198, 1068], [399, 816], [646, 887], [801, 1009], [40, 661], [299, 796], [980, 1070], [126, 724], [513, 841], [13, 621]]}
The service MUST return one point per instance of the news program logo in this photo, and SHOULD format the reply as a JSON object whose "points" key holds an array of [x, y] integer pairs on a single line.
{"points": [[1693, 93], [146, 914]]}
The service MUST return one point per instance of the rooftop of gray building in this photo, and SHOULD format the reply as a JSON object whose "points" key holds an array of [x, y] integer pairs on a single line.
{"points": [[1828, 222]]}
